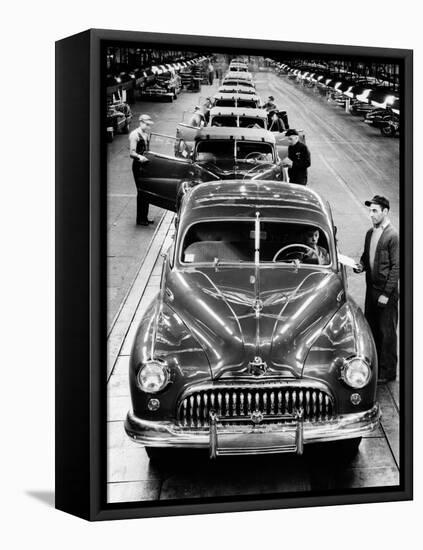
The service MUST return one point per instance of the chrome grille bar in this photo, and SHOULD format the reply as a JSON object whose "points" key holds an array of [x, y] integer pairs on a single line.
{"points": [[237, 404]]}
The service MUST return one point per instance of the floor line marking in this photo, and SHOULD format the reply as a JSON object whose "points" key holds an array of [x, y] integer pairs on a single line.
{"points": [[129, 306]]}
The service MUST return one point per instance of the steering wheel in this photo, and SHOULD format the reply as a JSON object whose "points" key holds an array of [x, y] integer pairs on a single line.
{"points": [[256, 154], [300, 253]]}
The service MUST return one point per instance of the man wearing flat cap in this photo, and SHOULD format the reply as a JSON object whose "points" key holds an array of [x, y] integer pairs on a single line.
{"points": [[380, 261], [298, 159], [138, 145]]}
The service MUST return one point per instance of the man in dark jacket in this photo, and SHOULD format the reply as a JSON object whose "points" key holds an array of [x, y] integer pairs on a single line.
{"points": [[380, 261], [298, 159]]}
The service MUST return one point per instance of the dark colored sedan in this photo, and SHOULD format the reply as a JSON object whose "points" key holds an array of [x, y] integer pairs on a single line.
{"points": [[253, 344]]}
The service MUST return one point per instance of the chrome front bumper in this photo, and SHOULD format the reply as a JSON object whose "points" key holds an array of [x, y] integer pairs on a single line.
{"points": [[222, 438]]}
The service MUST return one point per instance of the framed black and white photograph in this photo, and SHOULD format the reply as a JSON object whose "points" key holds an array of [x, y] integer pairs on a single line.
{"points": [[231, 238]]}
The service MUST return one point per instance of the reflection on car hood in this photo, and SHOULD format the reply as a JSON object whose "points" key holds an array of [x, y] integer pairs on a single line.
{"points": [[217, 305]]}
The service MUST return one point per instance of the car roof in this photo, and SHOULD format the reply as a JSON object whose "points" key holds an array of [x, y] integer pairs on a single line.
{"points": [[238, 111], [223, 132], [235, 89], [238, 82], [242, 199], [243, 75], [234, 95]]}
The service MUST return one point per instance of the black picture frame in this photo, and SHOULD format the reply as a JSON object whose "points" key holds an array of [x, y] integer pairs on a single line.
{"points": [[81, 289]]}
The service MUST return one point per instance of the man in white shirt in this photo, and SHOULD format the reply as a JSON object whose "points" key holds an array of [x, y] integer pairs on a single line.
{"points": [[138, 145], [380, 261]]}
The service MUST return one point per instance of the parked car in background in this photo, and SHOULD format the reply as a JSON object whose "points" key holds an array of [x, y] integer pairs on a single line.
{"points": [[166, 86], [252, 345], [390, 126], [119, 116], [360, 108], [377, 116]]}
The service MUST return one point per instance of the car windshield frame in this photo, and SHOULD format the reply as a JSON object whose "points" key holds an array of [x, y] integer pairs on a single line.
{"points": [[332, 249], [234, 157]]}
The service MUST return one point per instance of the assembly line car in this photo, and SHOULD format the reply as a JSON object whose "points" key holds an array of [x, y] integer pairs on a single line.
{"points": [[212, 153], [236, 89], [251, 101], [119, 116], [253, 344], [166, 86], [230, 81], [239, 117]]}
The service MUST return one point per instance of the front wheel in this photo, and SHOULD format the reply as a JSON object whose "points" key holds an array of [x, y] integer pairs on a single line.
{"points": [[347, 448], [387, 131]]}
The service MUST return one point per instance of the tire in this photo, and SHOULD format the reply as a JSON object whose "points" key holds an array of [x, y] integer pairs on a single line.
{"points": [[387, 130], [167, 455], [343, 451], [158, 454], [348, 448]]}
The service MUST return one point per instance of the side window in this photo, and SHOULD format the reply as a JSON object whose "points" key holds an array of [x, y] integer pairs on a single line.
{"points": [[182, 149]]}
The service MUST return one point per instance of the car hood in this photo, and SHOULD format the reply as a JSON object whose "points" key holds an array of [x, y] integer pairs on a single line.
{"points": [[234, 323]]}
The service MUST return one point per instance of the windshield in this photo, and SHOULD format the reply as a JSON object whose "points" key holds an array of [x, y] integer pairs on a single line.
{"points": [[250, 103], [241, 122], [229, 150], [230, 241]]}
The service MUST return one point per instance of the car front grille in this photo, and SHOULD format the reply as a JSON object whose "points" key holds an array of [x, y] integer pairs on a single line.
{"points": [[237, 404]]}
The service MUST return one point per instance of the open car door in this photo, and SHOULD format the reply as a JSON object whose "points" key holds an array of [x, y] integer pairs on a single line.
{"points": [[163, 173], [187, 133]]}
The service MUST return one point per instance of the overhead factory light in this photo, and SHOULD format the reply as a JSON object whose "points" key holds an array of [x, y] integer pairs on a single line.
{"points": [[363, 97]]}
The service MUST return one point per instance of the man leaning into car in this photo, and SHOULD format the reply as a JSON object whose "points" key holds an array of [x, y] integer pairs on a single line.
{"points": [[138, 144], [380, 261]]}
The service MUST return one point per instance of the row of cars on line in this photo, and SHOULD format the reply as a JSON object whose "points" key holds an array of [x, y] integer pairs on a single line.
{"points": [[252, 345], [379, 105], [230, 136], [165, 86]]}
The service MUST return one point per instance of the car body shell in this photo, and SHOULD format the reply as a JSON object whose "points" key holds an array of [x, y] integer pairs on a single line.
{"points": [[206, 327], [236, 89], [165, 86], [251, 101], [238, 75], [119, 116], [165, 177]]}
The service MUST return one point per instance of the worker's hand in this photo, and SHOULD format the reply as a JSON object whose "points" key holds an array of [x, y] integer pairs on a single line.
{"points": [[287, 162], [142, 159], [359, 268], [382, 300]]}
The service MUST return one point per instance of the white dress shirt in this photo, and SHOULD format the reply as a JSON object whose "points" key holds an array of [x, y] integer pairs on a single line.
{"points": [[377, 233]]}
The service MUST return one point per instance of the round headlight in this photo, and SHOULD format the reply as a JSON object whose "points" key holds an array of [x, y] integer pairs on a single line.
{"points": [[356, 372], [153, 377]]}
